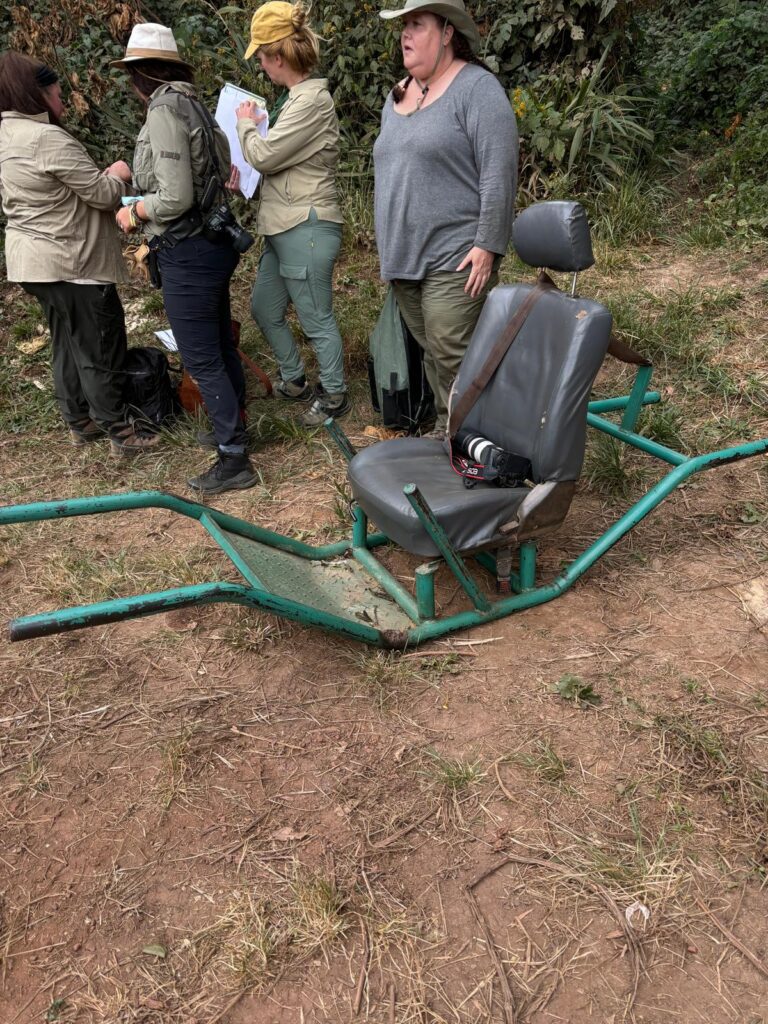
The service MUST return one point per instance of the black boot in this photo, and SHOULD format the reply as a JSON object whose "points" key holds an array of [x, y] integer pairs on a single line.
{"points": [[228, 473]]}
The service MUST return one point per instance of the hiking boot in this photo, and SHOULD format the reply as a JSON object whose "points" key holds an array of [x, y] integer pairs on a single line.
{"points": [[127, 440], [228, 473], [326, 404], [292, 390], [84, 432]]}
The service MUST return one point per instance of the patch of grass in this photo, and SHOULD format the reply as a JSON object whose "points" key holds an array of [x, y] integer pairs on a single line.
{"points": [[451, 773], [544, 762], [711, 759], [447, 664], [609, 469], [172, 778], [663, 424], [251, 631], [342, 502], [152, 303], [262, 934], [633, 211], [702, 229], [386, 676], [83, 576], [700, 747], [316, 910], [577, 691], [270, 427], [33, 776]]}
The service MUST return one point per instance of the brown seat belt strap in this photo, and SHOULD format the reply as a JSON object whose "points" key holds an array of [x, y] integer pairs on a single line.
{"points": [[619, 350], [497, 353]]}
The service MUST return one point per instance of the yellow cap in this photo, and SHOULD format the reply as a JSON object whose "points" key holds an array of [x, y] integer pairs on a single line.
{"points": [[272, 22]]}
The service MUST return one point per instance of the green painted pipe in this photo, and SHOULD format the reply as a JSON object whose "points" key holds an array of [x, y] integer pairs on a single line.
{"points": [[222, 539], [636, 398], [387, 582], [64, 509], [577, 568], [440, 539], [205, 593], [425, 589], [615, 404], [645, 444]]}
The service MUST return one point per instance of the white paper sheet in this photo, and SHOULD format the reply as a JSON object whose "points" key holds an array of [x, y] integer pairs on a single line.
{"points": [[167, 339], [230, 97]]}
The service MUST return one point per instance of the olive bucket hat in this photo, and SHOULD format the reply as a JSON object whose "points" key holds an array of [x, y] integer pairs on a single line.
{"points": [[453, 11]]}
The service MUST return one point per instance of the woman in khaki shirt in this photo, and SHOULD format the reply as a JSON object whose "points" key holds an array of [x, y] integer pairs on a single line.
{"points": [[62, 247], [299, 212]]}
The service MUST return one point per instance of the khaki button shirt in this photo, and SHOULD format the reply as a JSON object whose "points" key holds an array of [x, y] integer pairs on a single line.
{"points": [[60, 206], [298, 159], [170, 164]]}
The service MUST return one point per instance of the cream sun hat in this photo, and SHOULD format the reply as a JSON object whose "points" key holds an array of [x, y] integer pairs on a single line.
{"points": [[150, 42]]}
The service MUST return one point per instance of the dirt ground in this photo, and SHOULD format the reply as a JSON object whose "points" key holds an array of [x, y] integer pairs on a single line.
{"points": [[214, 816]]}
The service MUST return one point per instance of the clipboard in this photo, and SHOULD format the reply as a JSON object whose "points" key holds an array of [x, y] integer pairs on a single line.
{"points": [[230, 97]]}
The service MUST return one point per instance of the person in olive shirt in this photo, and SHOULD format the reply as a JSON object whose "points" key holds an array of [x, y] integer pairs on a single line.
{"points": [[299, 214], [61, 246], [178, 153]]}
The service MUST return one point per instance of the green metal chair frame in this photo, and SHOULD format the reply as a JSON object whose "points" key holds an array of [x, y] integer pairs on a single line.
{"points": [[343, 587]]}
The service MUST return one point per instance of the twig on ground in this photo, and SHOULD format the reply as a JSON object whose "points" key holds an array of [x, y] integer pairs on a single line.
{"points": [[510, 1014], [734, 941], [363, 971], [633, 945], [381, 844]]}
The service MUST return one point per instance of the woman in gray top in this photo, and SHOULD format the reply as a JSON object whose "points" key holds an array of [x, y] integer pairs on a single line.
{"points": [[446, 177]]}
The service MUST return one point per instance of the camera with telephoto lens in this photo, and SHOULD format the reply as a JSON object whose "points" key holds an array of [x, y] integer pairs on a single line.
{"points": [[505, 469], [220, 226]]}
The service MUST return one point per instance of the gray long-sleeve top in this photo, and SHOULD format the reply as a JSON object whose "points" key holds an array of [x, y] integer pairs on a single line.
{"points": [[446, 178]]}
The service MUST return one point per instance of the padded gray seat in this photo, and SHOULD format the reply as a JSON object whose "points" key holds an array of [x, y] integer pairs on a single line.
{"points": [[470, 517], [534, 405]]}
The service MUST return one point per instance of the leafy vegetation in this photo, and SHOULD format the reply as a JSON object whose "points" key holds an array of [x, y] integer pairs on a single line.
{"points": [[597, 85]]}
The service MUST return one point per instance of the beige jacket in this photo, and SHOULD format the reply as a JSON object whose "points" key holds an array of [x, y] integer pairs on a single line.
{"points": [[170, 165], [298, 159], [60, 206]]}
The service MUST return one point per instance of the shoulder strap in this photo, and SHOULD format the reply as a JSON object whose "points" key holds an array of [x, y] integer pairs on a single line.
{"points": [[207, 123], [467, 401]]}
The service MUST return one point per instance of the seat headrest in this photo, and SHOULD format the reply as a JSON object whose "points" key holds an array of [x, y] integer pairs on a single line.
{"points": [[555, 235]]}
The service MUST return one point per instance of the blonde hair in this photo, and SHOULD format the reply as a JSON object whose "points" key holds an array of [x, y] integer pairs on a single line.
{"points": [[301, 50]]}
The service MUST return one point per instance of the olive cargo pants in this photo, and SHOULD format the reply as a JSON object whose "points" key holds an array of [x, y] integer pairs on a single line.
{"points": [[441, 317]]}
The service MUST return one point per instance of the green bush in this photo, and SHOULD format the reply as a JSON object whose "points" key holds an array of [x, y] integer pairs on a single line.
{"points": [[734, 176], [522, 40], [580, 137], [706, 61]]}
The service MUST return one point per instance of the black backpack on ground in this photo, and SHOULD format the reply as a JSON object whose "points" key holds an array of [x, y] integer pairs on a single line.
{"points": [[400, 391], [149, 392]]}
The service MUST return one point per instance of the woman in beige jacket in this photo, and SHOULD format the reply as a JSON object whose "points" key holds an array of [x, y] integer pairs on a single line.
{"points": [[62, 247], [299, 213]]}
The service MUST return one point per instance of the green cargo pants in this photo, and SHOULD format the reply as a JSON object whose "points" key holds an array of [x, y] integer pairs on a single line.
{"points": [[441, 317], [297, 266]]}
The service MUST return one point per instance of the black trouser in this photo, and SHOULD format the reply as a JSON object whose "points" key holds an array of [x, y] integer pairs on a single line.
{"points": [[196, 275], [89, 342]]}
